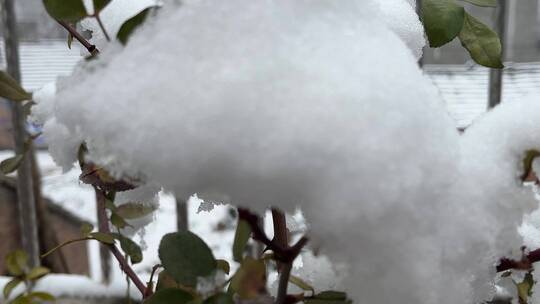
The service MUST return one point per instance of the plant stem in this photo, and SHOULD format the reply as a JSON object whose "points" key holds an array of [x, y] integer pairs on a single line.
{"points": [[104, 227], [281, 237], [284, 275], [90, 47], [64, 244], [102, 27]]}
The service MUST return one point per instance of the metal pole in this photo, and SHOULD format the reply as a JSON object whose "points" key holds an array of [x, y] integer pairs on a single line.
{"points": [[25, 192], [496, 75]]}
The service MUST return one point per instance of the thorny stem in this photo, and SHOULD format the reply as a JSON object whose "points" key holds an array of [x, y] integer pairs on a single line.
{"points": [[90, 47], [284, 254], [150, 284], [524, 264], [104, 227], [102, 27]]}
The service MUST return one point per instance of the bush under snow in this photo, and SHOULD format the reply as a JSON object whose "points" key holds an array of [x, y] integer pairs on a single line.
{"points": [[316, 104]]}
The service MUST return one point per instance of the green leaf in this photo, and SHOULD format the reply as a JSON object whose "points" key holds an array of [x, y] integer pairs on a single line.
{"points": [[482, 43], [165, 280], [131, 211], [130, 248], [131, 24], [241, 238], [186, 257], [223, 265], [10, 89], [11, 164], [99, 5], [443, 20], [8, 288], [250, 278], [329, 297], [69, 40], [169, 296], [86, 229], [103, 237], [528, 160], [16, 262], [43, 296], [220, 298], [37, 272], [22, 299], [66, 10], [118, 221], [524, 288], [483, 3], [301, 283]]}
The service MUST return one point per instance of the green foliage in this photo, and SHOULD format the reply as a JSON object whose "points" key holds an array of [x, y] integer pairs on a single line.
{"points": [[443, 20], [301, 283], [70, 10], [106, 238], [17, 265], [133, 210], [131, 24], [220, 298], [241, 238], [11, 90], [99, 5], [483, 3], [224, 266], [169, 296], [528, 160], [186, 257], [86, 229], [11, 164], [130, 248], [482, 43], [250, 279], [524, 289]]}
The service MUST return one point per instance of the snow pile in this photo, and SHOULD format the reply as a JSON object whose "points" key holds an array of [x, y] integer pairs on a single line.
{"points": [[314, 104]]}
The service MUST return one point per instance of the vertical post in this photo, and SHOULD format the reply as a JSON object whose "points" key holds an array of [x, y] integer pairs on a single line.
{"points": [[496, 75], [419, 12], [181, 215], [25, 193]]}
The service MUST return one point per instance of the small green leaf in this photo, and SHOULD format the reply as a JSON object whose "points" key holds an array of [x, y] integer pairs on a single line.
{"points": [[165, 280], [443, 20], [8, 288], [99, 5], [86, 229], [482, 43], [301, 283], [43, 296], [131, 24], [241, 238], [524, 288], [11, 164], [223, 265], [16, 262], [169, 296], [103, 237], [220, 298], [22, 299], [186, 257], [131, 211], [118, 221], [130, 248], [10, 89], [71, 10], [69, 40], [37, 272], [250, 278], [483, 3]]}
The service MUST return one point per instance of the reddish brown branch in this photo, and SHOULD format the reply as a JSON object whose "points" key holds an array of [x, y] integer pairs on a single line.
{"points": [[284, 254], [104, 227], [526, 263], [90, 47]]}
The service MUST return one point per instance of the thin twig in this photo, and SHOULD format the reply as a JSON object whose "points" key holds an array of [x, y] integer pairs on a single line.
{"points": [[283, 283], [64, 244], [104, 227], [102, 27], [90, 47]]}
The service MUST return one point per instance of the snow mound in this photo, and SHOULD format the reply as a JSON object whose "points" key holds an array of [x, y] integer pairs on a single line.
{"points": [[315, 104]]}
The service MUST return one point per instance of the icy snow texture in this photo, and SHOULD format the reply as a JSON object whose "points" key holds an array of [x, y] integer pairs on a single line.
{"points": [[316, 104]]}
